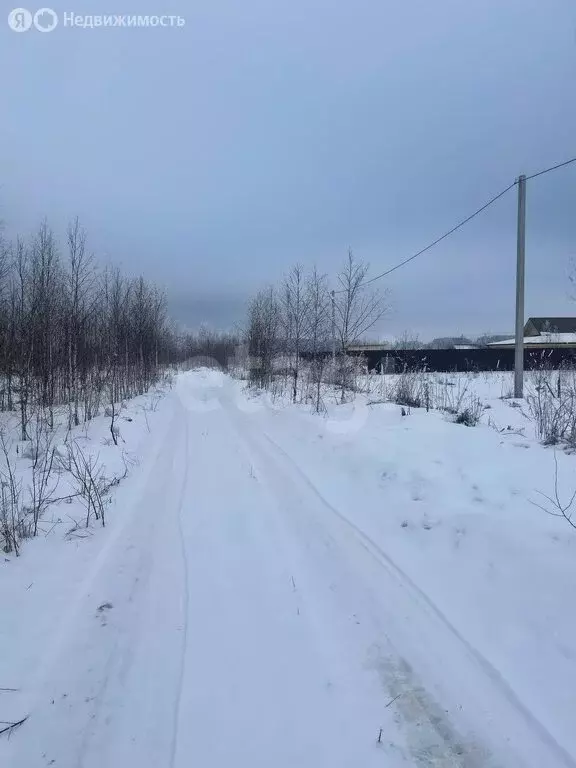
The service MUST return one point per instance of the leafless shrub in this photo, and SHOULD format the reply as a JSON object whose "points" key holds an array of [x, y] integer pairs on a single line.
{"points": [[13, 526], [155, 401], [277, 388], [408, 389], [128, 462], [551, 402], [145, 412], [167, 379], [351, 376], [44, 480], [88, 479], [470, 413], [315, 383], [553, 505], [111, 411], [450, 396]]}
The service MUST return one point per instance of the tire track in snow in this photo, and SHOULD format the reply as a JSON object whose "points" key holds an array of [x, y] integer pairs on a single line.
{"points": [[431, 738], [420, 597], [114, 536], [186, 591], [257, 689], [145, 534], [68, 692], [137, 695]]}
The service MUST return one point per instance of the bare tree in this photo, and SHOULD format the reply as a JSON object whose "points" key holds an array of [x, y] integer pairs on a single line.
{"points": [[318, 330], [21, 336], [262, 336], [358, 309], [45, 310], [408, 340], [5, 389], [294, 316], [80, 304]]}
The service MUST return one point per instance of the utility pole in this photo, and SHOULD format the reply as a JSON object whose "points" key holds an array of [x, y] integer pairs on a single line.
{"points": [[333, 297], [520, 263]]}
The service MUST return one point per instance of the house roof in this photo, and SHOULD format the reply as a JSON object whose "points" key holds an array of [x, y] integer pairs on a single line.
{"points": [[554, 324], [544, 339]]}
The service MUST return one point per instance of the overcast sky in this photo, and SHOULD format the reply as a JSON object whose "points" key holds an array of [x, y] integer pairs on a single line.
{"points": [[264, 132]]}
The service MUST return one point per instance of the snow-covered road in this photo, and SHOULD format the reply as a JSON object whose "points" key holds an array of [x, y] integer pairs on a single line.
{"points": [[236, 617]]}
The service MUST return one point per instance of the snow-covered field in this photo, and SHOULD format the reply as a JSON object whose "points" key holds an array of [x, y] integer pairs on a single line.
{"points": [[493, 392], [278, 588]]}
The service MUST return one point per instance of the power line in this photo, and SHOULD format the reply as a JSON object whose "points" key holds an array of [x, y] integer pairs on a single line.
{"points": [[462, 223], [553, 168], [438, 240]]}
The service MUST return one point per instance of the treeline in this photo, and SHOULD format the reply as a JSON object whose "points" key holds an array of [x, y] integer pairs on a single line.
{"points": [[300, 324], [209, 347], [76, 340], [73, 334]]}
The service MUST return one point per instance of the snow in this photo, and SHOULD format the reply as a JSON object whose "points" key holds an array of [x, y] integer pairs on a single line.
{"points": [[277, 588]]}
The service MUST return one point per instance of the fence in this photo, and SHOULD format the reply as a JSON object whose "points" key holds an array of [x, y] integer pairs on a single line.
{"points": [[464, 360]]}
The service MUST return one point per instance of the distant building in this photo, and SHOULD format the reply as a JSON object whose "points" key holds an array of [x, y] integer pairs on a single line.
{"points": [[452, 342], [536, 326], [465, 346], [368, 347], [486, 339], [540, 332]]}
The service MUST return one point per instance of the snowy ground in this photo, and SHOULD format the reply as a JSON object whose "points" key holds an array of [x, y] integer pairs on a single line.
{"points": [[493, 390], [276, 588]]}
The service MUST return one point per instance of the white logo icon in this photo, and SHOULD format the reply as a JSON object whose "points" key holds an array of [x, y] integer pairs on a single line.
{"points": [[21, 20], [45, 20]]}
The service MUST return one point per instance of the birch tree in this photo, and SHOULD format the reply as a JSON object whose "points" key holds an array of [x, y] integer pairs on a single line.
{"points": [[358, 308]]}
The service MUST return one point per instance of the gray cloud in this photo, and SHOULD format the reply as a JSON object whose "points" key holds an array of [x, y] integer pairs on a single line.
{"points": [[214, 156]]}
